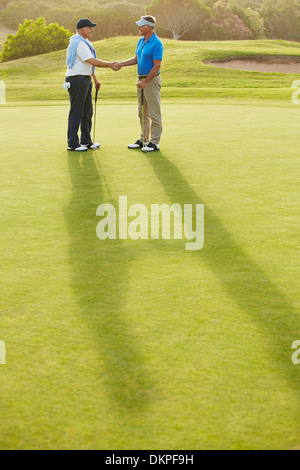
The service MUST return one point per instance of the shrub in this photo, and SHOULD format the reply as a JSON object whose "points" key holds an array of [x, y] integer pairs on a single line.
{"points": [[224, 24], [33, 38], [252, 19], [282, 19], [230, 28]]}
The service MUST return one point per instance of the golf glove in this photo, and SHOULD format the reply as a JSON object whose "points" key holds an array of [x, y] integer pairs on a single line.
{"points": [[66, 85]]}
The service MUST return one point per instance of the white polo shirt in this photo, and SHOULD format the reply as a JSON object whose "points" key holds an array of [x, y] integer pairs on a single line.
{"points": [[81, 67]]}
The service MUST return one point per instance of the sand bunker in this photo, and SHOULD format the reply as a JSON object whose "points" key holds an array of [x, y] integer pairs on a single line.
{"points": [[275, 64]]}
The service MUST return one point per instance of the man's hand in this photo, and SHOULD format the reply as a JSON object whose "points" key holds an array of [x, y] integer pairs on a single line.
{"points": [[116, 66], [97, 84], [142, 84]]}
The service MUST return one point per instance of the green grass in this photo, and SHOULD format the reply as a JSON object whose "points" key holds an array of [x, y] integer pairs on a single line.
{"points": [[140, 344], [184, 73]]}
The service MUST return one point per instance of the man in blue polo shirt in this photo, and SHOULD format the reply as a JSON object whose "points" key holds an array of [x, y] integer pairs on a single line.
{"points": [[148, 57]]}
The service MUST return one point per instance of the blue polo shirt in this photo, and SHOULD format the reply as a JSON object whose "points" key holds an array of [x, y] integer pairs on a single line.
{"points": [[147, 52]]}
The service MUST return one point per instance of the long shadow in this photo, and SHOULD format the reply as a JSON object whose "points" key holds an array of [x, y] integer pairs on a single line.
{"points": [[100, 283], [243, 279]]}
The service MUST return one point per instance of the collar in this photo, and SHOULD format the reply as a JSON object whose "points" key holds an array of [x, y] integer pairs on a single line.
{"points": [[150, 39]]}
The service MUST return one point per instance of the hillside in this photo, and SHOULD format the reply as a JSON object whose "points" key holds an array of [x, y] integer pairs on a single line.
{"points": [[4, 31], [184, 73]]}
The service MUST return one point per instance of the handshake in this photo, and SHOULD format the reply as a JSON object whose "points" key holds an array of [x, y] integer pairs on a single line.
{"points": [[116, 66]]}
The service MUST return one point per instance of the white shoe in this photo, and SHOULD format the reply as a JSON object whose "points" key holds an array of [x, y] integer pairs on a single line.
{"points": [[92, 146], [137, 145], [150, 147], [80, 148]]}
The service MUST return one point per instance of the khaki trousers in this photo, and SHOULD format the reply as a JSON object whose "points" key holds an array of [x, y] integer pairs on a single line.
{"points": [[152, 111]]}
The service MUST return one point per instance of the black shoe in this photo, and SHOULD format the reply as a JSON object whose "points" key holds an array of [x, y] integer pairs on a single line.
{"points": [[138, 145], [80, 148], [150, 148], [92, 146]]}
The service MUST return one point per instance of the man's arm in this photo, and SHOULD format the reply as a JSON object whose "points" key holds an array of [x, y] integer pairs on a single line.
{"points": [[129, 62], [153, 72], [100, 63], [96, 81]]}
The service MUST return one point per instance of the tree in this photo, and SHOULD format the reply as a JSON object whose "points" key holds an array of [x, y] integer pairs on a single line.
{"points": [[282, 19], [3, 3], [223, 24], [15, 13], [252, 19], [177, 16], [255, 23], [33, 38], [113, 19]]}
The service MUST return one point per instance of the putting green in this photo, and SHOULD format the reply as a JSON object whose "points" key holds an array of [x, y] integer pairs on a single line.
{"points": [[124, 344]]}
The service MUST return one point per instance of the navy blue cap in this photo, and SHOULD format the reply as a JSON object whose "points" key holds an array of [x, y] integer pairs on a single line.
{"points": [[85, 22]]}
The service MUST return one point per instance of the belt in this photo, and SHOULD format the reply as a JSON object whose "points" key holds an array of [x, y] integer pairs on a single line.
{"points": [[141, 77], [78, 76]]}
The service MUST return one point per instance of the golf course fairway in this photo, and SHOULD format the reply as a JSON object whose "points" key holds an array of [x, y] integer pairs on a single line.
{"points": [[141, 344]]}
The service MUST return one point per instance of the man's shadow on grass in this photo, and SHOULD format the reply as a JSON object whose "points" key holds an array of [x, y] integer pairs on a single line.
{"points": [[258, 297], [100, 283], [100, 279]]}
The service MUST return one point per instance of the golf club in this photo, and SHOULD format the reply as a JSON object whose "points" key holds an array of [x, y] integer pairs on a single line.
{"points": [[95, 115]]}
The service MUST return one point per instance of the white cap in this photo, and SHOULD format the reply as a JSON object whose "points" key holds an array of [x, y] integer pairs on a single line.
{"points": [[144, 22]]}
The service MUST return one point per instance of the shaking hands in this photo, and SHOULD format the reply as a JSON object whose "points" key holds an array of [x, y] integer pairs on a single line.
{"points": [[116, 66]]}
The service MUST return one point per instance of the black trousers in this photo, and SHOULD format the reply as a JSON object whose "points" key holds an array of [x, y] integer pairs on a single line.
{"points": [[81, 111]]}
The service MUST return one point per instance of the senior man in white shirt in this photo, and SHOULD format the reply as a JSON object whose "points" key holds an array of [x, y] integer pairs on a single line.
{"points": [[81, 63]]}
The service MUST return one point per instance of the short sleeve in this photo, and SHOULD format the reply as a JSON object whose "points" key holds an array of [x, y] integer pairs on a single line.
{"points": [[84, 52], [158, 51]]}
